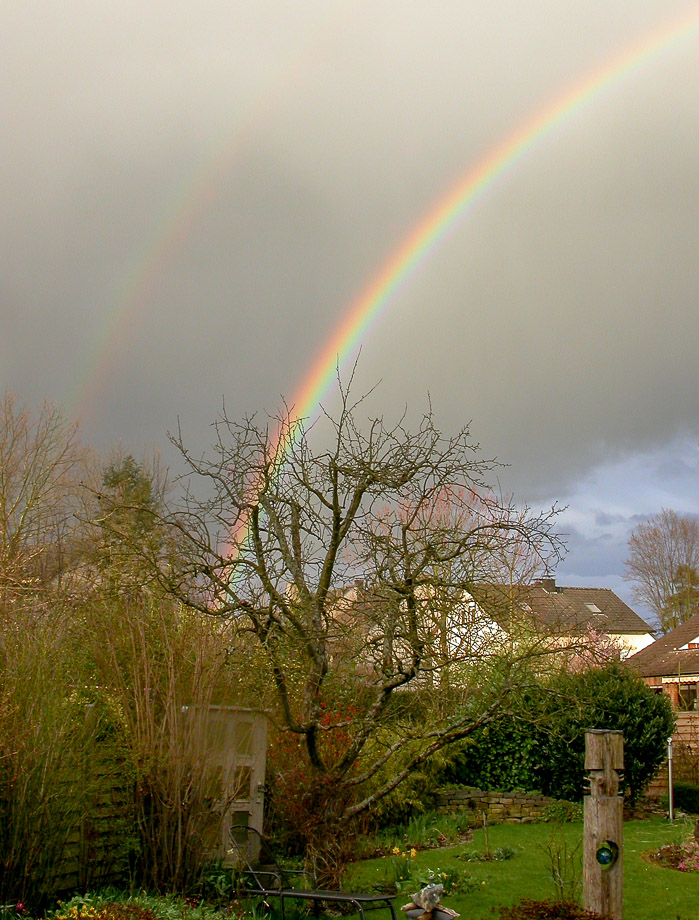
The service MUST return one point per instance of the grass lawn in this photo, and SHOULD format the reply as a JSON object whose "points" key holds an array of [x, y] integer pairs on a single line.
{"points": [[650, 892]]}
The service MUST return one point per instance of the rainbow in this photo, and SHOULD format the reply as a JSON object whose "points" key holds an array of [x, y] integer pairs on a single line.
{"points": [[422, 240], [189, 199]]}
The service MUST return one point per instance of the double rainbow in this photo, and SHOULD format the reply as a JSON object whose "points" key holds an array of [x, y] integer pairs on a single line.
{"points": [[417, 246], [423, 239]]}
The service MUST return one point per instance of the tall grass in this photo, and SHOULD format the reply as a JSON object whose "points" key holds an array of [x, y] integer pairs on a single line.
{"points": [[159, 668], [105, 745], [43, 736]]}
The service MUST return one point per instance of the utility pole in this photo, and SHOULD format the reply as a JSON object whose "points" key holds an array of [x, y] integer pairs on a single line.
{"points": [[604, 823]]}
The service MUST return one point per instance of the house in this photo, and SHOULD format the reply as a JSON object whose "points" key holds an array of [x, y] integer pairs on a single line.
{"points": [[591, 625], [672, 664], [570, 612]]}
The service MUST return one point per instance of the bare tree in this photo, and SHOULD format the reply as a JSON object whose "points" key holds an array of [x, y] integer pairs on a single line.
{"points": [[663, 564], [353, 585], [41, 466]]}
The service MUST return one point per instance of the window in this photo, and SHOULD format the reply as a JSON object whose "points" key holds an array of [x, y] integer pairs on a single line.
{"points": [[240, 821], [687, 697], [242, 783], [243, 741]]}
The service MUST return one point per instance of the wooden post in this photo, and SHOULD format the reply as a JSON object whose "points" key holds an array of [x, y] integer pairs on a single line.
{"points": [[604, 816]]}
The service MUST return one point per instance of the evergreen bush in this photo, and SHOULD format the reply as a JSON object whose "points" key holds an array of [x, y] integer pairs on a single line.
{"points": [[542, 747], [612, 697], [686, 797]]}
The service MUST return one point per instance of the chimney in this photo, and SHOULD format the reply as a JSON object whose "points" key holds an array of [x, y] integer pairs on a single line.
{"points": [[548, 583]]}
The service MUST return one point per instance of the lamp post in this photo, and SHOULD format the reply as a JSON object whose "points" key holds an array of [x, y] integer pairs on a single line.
{"points": [[670, 784]]}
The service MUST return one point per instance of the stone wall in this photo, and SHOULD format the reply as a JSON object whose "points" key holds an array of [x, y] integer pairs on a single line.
{"points": [[500, 807]]}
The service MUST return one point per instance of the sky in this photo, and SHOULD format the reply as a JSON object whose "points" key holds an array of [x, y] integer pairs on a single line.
{"points": [[196, 195]]}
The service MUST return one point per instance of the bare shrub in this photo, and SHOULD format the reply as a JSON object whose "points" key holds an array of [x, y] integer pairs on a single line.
{"points": [[159, 667], [564, 860], [41, 467]]}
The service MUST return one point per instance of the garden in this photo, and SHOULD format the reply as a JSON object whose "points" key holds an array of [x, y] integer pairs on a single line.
{"points": [[505, 863], [485, 871], [125, 620]]}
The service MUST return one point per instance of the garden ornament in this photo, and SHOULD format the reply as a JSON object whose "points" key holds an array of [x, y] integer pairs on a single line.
{"points": [[425, 905]]}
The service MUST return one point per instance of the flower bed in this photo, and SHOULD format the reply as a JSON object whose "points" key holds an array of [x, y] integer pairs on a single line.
{"points": [[681, 856]]}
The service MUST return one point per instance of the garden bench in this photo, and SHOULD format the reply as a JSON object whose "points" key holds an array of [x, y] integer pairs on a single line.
{"points": [[267, 879]]}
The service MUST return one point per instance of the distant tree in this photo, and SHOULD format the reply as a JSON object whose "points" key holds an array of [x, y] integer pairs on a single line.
{"points": [[663, 564], [129, 495], [41, 467], [684, 600], [131, 540]]}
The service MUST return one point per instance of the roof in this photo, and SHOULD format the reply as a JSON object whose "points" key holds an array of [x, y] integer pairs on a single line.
{"points": [[666, 657], [599, 608], [576, 610]]}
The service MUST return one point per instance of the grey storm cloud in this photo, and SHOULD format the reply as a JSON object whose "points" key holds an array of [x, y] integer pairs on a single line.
{"points": [[193, 195]]}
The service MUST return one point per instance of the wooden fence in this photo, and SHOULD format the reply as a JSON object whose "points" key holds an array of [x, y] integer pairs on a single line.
{"points": [[685, 744], [97, 846]]}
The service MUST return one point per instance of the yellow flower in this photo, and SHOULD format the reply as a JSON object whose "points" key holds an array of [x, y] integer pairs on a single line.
{"points": [[396, 851], [413, 853]]}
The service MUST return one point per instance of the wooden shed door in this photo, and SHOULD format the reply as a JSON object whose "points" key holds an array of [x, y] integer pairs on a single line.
{"points": [[236, 746]]}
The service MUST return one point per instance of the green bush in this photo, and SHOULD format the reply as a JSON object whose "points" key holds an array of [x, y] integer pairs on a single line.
{"points": [[502, 755], [542, 748], [563, 812], [112, 904], [416, 796], [686, 797], [613, 697]]}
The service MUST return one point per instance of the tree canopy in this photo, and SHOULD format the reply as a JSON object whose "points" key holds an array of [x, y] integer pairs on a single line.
{"points": [[350, 566]]}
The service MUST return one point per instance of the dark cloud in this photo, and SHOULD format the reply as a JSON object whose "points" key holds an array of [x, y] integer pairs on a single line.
{"points": [[192, 201]]}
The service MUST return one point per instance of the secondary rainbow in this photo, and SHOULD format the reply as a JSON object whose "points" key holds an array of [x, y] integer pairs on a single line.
{"points": [[181, 211], [436, 224]]}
